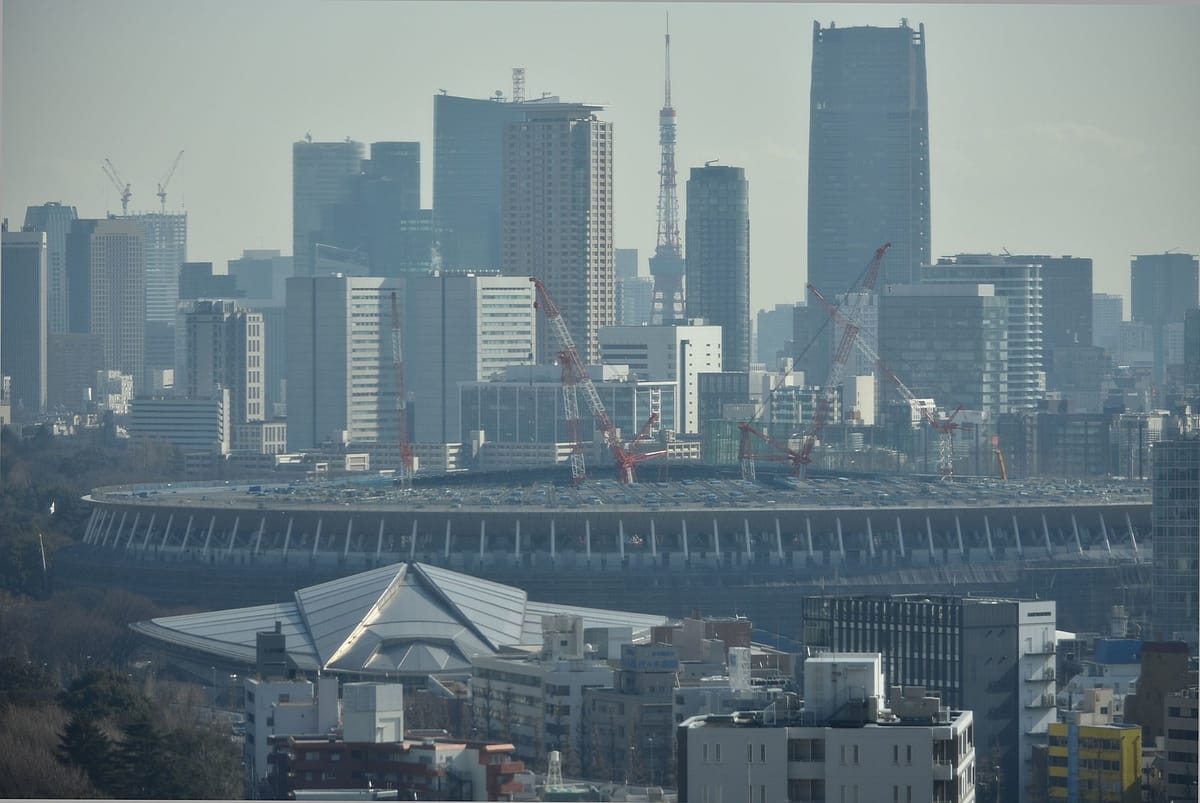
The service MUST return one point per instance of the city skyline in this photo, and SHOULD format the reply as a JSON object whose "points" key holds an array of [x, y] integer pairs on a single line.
{"points": [[1094, 163]]}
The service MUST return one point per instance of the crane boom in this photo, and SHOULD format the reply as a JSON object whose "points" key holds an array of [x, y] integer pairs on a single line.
{"points": [[625, 459], [123, 188], [162, 185]]}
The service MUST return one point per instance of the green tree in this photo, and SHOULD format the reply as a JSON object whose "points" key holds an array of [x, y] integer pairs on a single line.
{"points": [[107, 693], [85, 745]]}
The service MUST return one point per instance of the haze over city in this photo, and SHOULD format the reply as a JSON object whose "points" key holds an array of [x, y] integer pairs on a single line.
{"points": [[1062, 129]]}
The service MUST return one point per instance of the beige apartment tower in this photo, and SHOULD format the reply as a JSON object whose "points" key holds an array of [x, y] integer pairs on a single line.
{"points": [[557, 216]]}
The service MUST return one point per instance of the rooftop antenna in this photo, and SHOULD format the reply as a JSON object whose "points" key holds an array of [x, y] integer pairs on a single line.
{"points": [[518, 76]]}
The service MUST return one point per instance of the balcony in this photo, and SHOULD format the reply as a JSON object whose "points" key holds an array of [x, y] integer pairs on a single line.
{"points": [[1047, 647], [1040, 674], [1041, 701], [943, 771]]}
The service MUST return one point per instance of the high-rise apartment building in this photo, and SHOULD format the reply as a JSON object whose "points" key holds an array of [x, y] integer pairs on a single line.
{"points": [[557, 216], [117, 278], [55, 220], [340, 379], [718, 257], [1175, 515], [468, 178], [1019, 283], [461, 327], [948, 343], [321, 173], [166, 251], [23, 321], [1162, 288], [992, 656], [222, 348], [868, 155]]}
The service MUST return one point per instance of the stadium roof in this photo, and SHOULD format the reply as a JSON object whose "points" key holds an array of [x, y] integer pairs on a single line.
{"points": [[403, 619]]}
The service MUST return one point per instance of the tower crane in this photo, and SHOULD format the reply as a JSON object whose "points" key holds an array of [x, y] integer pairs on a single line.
{"points": [[406, 452], [802, 457], [944, 427], [575, 374], [110, 170], [162, 185]]}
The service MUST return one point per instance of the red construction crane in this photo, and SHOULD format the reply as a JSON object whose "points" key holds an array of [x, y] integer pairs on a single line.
{"points": [[802, 457], [944, 427], [406, 452], [574, 375]]}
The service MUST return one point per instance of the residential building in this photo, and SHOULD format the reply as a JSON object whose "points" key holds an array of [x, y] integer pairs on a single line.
{"points": [[1180, 726], [276, 707], [468, 178], [321, 173], [1175, 516], [165, 251], [1163, 287], [1095, 762], [948, 342], [340, 360], [993, 656], [461, 327], [23, 319], [221, 346], [55, 220], [717, 235], [535, 698], [557, 216], [1108, 311], [624, 723], [868, 155], [1019, 283], [117, 279], [193, 425], [674, 353], [848, 743]]}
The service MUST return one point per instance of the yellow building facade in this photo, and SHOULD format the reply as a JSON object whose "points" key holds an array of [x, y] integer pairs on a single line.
{"points": [[1100, 763]]}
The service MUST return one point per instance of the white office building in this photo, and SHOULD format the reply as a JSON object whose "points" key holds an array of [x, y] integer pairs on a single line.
{"points": [[461, 327], [341, 382], [844, 745], [676, 353], [219, 344], [192, 425]]}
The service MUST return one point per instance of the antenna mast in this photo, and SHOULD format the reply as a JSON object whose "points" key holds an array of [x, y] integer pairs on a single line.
{"points": [[667, 265]]}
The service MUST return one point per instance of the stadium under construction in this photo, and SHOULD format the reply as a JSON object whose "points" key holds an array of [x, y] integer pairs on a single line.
{"points": [[708, 542]]}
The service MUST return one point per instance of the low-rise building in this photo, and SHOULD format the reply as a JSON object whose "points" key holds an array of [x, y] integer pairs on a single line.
{"points": [[1180, 726], [1095, 762], [843, 745]]}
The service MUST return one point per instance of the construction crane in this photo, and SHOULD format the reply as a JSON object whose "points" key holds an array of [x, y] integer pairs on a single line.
{"points": [[123, 188], [574, 375], [162, 185], [406, 452], [802, 457], [996, 450], [944, 427]]}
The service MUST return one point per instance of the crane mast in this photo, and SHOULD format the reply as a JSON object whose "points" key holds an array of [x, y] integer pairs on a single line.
{"points": [[575, 374], [123, 188], [162, 185], [406, 452]]}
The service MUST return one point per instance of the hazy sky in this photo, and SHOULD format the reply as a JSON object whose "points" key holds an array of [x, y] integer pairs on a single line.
{"points": [[1065, 129]]}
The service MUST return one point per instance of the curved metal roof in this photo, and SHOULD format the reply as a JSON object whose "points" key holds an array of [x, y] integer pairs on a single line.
{"points": [[406, 618]]}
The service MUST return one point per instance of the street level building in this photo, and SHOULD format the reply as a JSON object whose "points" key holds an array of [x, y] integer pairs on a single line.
{"points": [[849, 742], [1095, 762], [868, 155]]}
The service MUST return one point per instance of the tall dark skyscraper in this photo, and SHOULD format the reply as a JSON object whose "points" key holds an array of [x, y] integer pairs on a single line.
{"points": [[868, 157], [54, 219], [468, 178], [23, 329], [1163, 288], [1175, 514], [718, 257], [321, 173]]}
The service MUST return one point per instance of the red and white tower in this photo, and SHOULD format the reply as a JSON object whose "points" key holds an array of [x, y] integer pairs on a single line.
{"points": [[667, 264]]}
